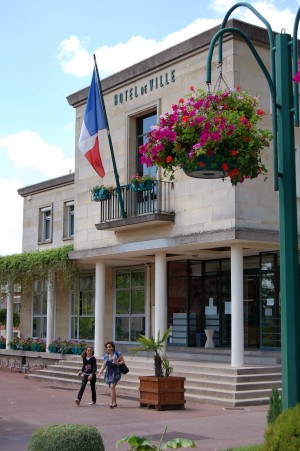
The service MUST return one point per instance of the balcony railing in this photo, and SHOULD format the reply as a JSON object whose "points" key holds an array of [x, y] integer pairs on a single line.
{"points": [[155, 203]]}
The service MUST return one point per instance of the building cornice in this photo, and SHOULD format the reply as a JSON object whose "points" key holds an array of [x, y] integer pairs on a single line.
{"points": [[167, 57], [47, 185]]}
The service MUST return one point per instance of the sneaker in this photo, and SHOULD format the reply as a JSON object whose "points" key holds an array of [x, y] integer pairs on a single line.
{"points": [[91, 403], [77, 401]]}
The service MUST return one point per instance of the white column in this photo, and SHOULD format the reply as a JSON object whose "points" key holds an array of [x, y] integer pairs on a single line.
{"points": [[237, 306], [9, 313], [148, 300], [50, 308], [99, 309], [161, 319]]}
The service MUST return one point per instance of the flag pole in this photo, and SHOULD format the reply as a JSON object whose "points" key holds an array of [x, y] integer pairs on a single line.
{"points": [[118, 188]]}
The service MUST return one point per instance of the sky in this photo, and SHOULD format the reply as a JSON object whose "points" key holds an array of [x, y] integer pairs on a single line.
{"points": [[46, 51]]}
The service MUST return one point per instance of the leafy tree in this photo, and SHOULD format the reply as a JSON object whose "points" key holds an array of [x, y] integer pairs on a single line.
{"points": [[3, 315]]}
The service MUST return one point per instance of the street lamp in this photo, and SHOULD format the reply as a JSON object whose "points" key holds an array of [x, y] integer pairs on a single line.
{"points": [[285, 109]]}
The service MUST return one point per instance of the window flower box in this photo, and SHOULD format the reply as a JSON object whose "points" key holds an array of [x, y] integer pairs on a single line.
{"points": [[141, 182], [101, 192]]}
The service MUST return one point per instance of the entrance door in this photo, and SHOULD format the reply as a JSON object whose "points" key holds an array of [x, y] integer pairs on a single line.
{"points": [[270, 306]]}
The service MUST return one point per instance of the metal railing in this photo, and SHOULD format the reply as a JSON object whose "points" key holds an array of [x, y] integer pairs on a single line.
{"points": [[157, 199]]}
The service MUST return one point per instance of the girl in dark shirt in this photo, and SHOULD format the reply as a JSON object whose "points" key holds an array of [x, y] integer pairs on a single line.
{"points": [[88, 373]]}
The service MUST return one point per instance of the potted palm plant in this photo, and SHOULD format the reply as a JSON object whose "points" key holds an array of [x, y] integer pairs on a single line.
{"points": [[161, 391]]}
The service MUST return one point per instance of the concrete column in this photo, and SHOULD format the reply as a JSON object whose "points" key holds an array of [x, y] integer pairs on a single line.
{"points": [[51, 304], [9, 313], [99, 309], [161, 320], [148, 301], [237, 306]]}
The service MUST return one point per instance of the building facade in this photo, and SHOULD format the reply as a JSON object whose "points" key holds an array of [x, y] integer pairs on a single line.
{"points": [[173, 259]]}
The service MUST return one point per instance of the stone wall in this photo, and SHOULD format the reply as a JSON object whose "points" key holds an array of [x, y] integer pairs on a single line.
{"points": [[28, 359]]}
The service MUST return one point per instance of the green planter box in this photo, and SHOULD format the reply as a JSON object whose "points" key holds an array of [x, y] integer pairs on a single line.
{"points": [[27, 348], [38, 348], [142, 186], [101, 194]]}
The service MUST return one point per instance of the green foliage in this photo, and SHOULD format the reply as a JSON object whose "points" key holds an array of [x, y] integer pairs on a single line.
{"points": [[66, 437], [3, 315], [143, 444], [248, 448], [275, 407], [28, 266], [284, 433], [155, 349]]}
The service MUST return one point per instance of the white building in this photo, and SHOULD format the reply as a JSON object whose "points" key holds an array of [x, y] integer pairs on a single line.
{"points": [[170, 262]]}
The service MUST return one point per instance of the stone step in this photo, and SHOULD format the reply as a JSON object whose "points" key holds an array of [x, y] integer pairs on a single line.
{"points": [[224, 356], [219, 373], [192, 383], [206, 382], [218, 401], [188, 367], [193, 386]]}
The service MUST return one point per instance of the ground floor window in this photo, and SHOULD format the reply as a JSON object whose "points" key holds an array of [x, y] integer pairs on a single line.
{"points": [[129, 304], [39, 309], [83, 309]]}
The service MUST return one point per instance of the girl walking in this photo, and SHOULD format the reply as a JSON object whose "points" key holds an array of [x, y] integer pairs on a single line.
{"points": [[88, 373], [112, 360]]}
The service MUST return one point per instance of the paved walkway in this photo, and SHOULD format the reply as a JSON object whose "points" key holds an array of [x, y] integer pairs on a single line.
{"points": [[26, 405]]}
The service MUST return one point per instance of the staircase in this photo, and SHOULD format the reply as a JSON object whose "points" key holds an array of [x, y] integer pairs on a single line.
{"points": [[207, 382]]}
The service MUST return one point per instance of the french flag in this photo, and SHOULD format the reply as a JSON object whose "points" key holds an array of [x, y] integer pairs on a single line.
{"points": [[94, 120]]}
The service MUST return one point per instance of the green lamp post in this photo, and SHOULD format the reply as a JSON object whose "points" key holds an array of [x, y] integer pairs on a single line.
{"points": [[283, 50]]}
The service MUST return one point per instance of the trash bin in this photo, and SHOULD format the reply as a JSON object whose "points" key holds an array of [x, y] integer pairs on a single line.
{"points": [[200, 339]]}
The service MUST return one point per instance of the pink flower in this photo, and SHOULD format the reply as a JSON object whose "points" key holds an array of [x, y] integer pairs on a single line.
{"points": [[296, 78]]}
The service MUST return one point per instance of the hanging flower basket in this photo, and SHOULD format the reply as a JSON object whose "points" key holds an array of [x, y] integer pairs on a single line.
{"points": [[210, 136], [207, 168]]}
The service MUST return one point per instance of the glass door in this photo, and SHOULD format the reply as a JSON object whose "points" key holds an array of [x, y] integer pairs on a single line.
{"points": [[270, 305], [251, 309]]}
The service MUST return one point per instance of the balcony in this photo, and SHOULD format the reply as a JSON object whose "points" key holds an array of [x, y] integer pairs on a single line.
{"points": [[155, 205]]}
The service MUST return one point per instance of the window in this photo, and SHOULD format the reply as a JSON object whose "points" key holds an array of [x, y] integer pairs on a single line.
{"points": [[130, 304], [45, 224], [39, 309], [68, 227], [83, 310], [143, 125]]}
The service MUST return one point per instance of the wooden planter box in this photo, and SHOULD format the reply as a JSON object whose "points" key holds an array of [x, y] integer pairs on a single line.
{"points": [[162, 393]]}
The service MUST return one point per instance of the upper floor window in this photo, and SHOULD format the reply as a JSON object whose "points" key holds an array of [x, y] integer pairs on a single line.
{"points": [[138, 126], [68, 227], [143, 124], [45, 224]]}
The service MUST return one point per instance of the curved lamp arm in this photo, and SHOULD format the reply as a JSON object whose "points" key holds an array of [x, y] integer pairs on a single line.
{"points": [[295, 64], [269, 80]]}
